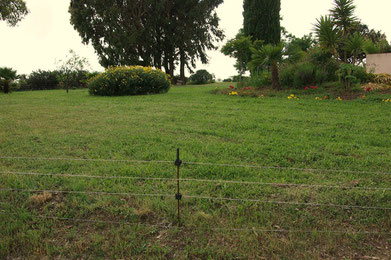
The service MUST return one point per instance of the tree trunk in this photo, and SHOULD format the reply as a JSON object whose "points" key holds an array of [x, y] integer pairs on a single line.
{"points": [[275, 77], [6, 87], [182, 69]]}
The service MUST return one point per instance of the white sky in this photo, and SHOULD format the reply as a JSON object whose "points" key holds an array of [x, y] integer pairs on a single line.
{"points": [[45, 35]]}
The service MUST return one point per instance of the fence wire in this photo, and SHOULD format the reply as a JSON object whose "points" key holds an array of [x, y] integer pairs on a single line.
{"points": [[199, 163], [203, 198], [197, 180], [89, 192]]}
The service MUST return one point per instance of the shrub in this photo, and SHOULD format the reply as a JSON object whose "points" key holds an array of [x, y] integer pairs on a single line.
{"points": [[304, 75], [307, 73], [320, 76], [129, 80], [202, 77], [42, 80], [287, 75], [260, 79]]}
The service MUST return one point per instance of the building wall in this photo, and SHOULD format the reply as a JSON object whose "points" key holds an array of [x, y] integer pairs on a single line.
{"points": [[379, 63]]}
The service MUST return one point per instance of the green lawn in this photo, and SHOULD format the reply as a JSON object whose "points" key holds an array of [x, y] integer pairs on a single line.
{"points": [[350, 135]]}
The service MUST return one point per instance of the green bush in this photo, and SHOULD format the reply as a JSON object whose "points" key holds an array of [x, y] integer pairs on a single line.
{"points": [[321, 76], [287, 74], [129, 80], [260, 79], [201, 77], [42, 80], [304, 75], [299, 75]]}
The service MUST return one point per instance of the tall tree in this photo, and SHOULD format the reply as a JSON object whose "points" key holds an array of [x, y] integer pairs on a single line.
{"points": [[12, 11], [160, 33], [262, 20]]}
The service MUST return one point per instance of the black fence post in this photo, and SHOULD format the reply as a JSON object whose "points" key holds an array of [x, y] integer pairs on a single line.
{"points": [[178, 195]]}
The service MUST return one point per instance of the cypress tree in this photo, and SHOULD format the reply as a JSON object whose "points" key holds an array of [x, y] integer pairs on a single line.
{"points": [[262, 20]]}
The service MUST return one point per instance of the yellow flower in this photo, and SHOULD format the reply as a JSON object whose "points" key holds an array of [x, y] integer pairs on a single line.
{"points": [[233, 93], [261, 96]]}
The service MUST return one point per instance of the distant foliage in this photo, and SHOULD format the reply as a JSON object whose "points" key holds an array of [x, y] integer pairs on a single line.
{"points": [[43, 80], [129, 80], [7, 76], [201, 77]]}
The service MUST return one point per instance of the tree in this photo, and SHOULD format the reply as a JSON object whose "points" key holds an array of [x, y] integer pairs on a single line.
{"points": [[239, 48], [355, 46], [262, 20], [70, 69], [7, 76], [270, 55], [202, 77], [159, 33], [12, 11], [296, 48], [328, 34]]}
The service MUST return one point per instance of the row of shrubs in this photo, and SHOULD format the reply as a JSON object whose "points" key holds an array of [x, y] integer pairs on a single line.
{"points": [[45, 80], [115, 81]]}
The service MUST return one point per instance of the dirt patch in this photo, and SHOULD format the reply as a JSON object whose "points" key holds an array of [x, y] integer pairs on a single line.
{"points": [[40, 199]]}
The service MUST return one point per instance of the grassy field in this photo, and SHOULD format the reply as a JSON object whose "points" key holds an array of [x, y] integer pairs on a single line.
{"points": [[217, 129]]}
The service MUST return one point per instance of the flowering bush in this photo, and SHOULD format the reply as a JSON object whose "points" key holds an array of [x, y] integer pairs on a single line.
{"points": [[129, 80], [387, 100]]}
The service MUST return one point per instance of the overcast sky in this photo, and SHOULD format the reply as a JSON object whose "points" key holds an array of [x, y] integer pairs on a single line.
{"points": [[45, 35]]}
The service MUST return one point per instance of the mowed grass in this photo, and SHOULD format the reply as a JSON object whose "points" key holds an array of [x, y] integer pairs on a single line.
{"points": [[218, 129]]}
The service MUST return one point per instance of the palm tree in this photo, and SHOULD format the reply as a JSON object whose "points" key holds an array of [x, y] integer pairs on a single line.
{"points": [[268, 55], [355, 46], [7, 75], [343, 15], [344, 19], [328, 34]]}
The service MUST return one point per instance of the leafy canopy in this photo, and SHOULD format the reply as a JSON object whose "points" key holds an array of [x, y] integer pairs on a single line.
{"points": [[12, 11], [159, 33]]}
